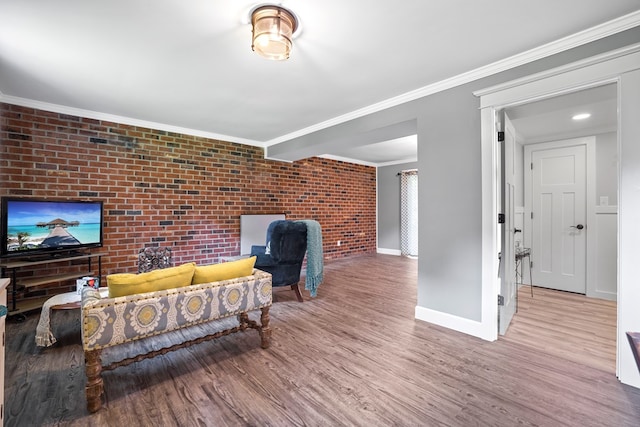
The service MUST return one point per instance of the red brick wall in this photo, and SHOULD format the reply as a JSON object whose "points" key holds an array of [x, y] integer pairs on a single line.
{"points": [[187, 192]]}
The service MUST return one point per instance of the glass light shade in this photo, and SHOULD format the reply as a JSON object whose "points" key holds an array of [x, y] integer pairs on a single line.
{"points": [[273, 28]]}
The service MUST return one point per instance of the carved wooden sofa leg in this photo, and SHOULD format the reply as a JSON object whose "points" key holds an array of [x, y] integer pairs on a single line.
{"points": [[265, 330], [94, 388], [243, 320]]}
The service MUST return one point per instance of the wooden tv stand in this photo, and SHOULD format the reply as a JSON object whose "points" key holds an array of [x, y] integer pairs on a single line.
{"points": [[11, 266]]}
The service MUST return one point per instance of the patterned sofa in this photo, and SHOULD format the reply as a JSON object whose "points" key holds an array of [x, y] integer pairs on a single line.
{"points": [[108, 322]]}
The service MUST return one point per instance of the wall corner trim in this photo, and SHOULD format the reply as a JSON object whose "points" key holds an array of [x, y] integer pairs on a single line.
{"points": [[460, 324]]}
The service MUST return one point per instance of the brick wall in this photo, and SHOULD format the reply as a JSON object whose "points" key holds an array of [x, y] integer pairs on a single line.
{"points": [[187, 192]]}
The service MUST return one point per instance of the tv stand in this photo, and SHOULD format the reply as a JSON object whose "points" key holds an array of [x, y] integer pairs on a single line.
{"points": [[14, 265], [53, 256]]}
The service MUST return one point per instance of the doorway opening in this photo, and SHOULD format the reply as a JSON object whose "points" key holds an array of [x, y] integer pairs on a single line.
{"points": [[566, 190], [621, 67], [565, 186]]}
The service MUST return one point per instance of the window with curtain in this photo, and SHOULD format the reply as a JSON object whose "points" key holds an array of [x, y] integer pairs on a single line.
{"points": [[409, 213]]}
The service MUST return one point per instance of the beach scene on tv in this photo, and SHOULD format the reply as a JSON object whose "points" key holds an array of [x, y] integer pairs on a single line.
{"points": [[46, 225]]}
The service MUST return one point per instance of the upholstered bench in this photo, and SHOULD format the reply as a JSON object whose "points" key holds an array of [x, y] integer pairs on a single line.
{"points": [[114, 320]]}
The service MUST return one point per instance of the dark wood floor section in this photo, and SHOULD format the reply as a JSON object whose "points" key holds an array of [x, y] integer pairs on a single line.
{"points": [[353, 356]]}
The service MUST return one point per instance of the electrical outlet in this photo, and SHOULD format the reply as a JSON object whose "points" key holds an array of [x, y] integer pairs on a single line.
{"points": [[339, 243]]}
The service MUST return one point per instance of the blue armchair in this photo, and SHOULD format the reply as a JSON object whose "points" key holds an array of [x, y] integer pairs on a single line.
{"points": [[283, 254]]}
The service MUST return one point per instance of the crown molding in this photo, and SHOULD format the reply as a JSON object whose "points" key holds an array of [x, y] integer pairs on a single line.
{"points": [[347, 160], [365, 163], [72, 111], [398, 162], [603, 30], [606, 56]]}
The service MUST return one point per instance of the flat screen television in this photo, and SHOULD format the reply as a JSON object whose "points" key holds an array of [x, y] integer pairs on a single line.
{"points": [[32, 227]]}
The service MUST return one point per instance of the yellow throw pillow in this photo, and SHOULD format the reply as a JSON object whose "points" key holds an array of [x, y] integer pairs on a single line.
{"points": [[224, 271], [122, 284]]}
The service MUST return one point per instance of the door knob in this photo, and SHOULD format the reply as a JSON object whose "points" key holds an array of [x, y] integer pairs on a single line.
{"points": [[579, 226]]}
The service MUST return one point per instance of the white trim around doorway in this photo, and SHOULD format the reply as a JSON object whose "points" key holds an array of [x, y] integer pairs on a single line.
{"points": [[596, 71]]}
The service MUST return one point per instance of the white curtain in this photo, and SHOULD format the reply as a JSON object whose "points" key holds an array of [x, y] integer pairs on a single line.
{"points": [[409, 213]]}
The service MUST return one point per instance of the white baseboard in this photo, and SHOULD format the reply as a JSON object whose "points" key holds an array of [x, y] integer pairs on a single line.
{"points": [[460, 324], [610, 296], [389, 251]]}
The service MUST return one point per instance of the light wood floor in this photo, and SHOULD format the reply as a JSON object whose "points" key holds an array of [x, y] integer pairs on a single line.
{"points": [[353, 356]]}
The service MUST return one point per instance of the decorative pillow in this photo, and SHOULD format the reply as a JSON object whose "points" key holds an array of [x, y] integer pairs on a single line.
{"points": [[122, 284], [224, 271]]}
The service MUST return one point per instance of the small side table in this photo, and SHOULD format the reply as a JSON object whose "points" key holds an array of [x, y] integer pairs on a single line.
{"points": [[521, 254], [69, 305], [67, 301], [73, 300]]}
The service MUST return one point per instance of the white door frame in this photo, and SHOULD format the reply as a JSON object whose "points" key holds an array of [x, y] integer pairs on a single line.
{"points": [[590, 143], [591, 72]]}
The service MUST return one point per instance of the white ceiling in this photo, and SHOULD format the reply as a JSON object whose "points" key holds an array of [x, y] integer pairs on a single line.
{"points": [[398, 150], [188, 66], [553, 118]]}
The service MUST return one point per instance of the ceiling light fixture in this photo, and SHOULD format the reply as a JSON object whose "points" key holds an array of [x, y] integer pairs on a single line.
{"points": [[273, 27], [581, 116]]}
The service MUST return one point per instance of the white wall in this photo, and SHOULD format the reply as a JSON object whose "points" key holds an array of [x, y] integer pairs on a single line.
{"points": [[604, 233], [629, 232], [607, 169]]}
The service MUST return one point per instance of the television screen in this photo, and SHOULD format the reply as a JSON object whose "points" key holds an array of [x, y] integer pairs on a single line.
{"points": [[31, 226]]}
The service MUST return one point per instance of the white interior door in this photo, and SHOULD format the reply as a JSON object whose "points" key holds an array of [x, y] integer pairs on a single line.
{"points": [[558, 222], [508, 283]]}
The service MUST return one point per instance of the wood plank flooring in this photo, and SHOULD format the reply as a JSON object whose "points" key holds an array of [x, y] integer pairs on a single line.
{"points": [[567, 325], [353, 356]]}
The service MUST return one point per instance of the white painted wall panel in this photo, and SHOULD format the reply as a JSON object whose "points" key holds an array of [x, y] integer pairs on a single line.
{"points": [[607, 255]]}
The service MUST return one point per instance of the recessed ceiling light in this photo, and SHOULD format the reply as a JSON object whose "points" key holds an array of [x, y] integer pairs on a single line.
{"points": [[581, 116]]}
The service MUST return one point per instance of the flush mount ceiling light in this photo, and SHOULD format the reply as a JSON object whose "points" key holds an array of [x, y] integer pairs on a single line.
{"points": [[581, 116], [273, 27]]}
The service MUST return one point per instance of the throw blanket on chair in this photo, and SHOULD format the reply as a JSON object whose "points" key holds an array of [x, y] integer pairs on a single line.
{"points": [[315, 256]]}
